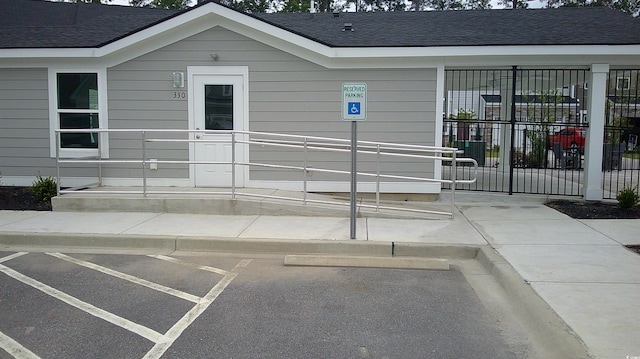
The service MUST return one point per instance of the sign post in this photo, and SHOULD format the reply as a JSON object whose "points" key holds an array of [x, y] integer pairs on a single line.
{"points": [[354, 109]]}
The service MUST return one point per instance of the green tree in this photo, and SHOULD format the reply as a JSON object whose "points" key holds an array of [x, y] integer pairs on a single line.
{"points": [[378, 5], [295, 6], [543, 112], [420, 5], [161, 4], [514, 4], [92, 1], [631, 7], [465, 118], [478, 4]]}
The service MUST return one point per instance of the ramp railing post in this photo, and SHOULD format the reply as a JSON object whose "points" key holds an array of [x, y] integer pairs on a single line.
{"points": [[57, 163], [377, 177], [454, 172], [233, 164], [304, 173], [144, 163]]}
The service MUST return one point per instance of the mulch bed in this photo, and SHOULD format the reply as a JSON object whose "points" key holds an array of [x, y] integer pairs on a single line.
{"points": [[593, 210], [21, 199]]}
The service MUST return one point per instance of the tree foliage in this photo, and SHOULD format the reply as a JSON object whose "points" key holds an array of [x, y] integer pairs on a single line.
{"points": [[631, 7]]}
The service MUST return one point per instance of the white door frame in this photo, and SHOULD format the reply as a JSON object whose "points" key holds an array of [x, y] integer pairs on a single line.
{"points": [[243, 125]]}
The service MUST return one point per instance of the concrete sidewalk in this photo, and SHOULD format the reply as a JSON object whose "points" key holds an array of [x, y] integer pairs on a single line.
{"points": [[579, 267]]}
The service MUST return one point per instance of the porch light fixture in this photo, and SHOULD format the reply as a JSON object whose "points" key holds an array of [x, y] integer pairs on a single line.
{"points": [[214, 56], [178, 79]]}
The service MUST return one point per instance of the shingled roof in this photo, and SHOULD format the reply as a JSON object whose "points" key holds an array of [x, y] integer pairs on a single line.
{"points": [[42, 24], [563, 26]]}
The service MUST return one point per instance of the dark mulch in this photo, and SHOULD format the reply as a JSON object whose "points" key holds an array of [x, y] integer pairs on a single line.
{"points": [[21, 199], [593, 210]]}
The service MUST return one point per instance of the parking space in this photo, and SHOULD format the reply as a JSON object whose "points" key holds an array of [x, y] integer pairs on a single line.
{"points": [[57, 305]]}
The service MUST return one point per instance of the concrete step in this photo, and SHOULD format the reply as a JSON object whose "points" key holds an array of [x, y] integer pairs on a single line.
{"points": [[248, 201]]}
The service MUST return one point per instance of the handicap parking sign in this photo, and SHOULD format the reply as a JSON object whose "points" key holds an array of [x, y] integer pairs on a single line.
{"points": [[354, 101], [354, 108]]}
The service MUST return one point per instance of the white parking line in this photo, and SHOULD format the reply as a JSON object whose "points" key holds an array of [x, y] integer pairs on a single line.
{"points": [[10, 257], [14, 348], [143, 331], [162, 342], [130, 278], [178, 261], [193, 314]]}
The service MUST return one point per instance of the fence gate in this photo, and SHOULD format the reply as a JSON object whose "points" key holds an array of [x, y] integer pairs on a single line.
{"points": [[525, 127]]}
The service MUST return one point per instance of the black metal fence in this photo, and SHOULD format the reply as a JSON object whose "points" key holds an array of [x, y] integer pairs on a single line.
{"points": [[525, 127], [621, 165]]}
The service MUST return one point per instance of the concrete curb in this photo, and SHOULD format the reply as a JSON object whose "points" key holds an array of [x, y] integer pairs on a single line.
{"points": [[366, 262], [546, 326], [72, 240], [249, 245]]}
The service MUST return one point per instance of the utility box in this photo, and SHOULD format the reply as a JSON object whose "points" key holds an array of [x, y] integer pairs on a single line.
{"points": [[473, 149]]}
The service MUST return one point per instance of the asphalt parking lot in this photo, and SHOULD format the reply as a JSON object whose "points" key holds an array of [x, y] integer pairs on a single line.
{"points": [[74, 305]]}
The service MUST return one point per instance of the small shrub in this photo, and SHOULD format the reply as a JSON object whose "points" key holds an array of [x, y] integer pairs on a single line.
{"points": [[628, 198], [518, 159], [44, 188]]}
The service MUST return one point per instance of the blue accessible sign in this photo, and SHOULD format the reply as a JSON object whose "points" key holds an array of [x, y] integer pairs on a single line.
{"points": [[354, 101]]}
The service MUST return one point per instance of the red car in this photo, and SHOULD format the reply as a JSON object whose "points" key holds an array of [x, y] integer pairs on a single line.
{"points": [[569, 137]]}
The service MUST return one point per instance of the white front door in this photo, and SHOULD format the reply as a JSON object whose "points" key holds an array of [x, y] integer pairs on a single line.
{"points": [[218, 102]]}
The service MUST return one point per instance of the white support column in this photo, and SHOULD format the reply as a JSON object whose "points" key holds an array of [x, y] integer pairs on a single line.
{"points": [[595, 132]]}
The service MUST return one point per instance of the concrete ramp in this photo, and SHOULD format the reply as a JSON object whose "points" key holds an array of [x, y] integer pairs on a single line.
{"points": [[248, 201]]}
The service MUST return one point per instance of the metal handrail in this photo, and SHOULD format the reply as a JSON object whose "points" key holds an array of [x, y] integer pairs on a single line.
{"points": [[303, 143]]}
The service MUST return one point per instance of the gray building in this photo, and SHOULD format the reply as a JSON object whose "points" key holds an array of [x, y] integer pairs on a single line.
{"points": [[89, 66]]}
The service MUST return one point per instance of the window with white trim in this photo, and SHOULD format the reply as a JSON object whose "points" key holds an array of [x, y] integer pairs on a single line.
{"points": [[623, 83], [77, 100]]}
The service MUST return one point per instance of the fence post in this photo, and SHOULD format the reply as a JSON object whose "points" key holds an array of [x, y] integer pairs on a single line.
{"points": [[514, 74]]}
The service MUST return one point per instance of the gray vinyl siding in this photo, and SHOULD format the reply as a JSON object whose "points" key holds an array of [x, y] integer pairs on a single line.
{"points": [[24, 123], [286, 95]]}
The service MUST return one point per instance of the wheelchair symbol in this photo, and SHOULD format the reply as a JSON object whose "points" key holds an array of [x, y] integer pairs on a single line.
{"points": [[354, 108]]}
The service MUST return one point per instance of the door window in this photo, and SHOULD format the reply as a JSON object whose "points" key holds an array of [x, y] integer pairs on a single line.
{"points": [[218, 108]]}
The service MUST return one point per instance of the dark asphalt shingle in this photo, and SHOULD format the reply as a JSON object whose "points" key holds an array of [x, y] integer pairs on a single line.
{"points": [[563, 26], [42, 24]]}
